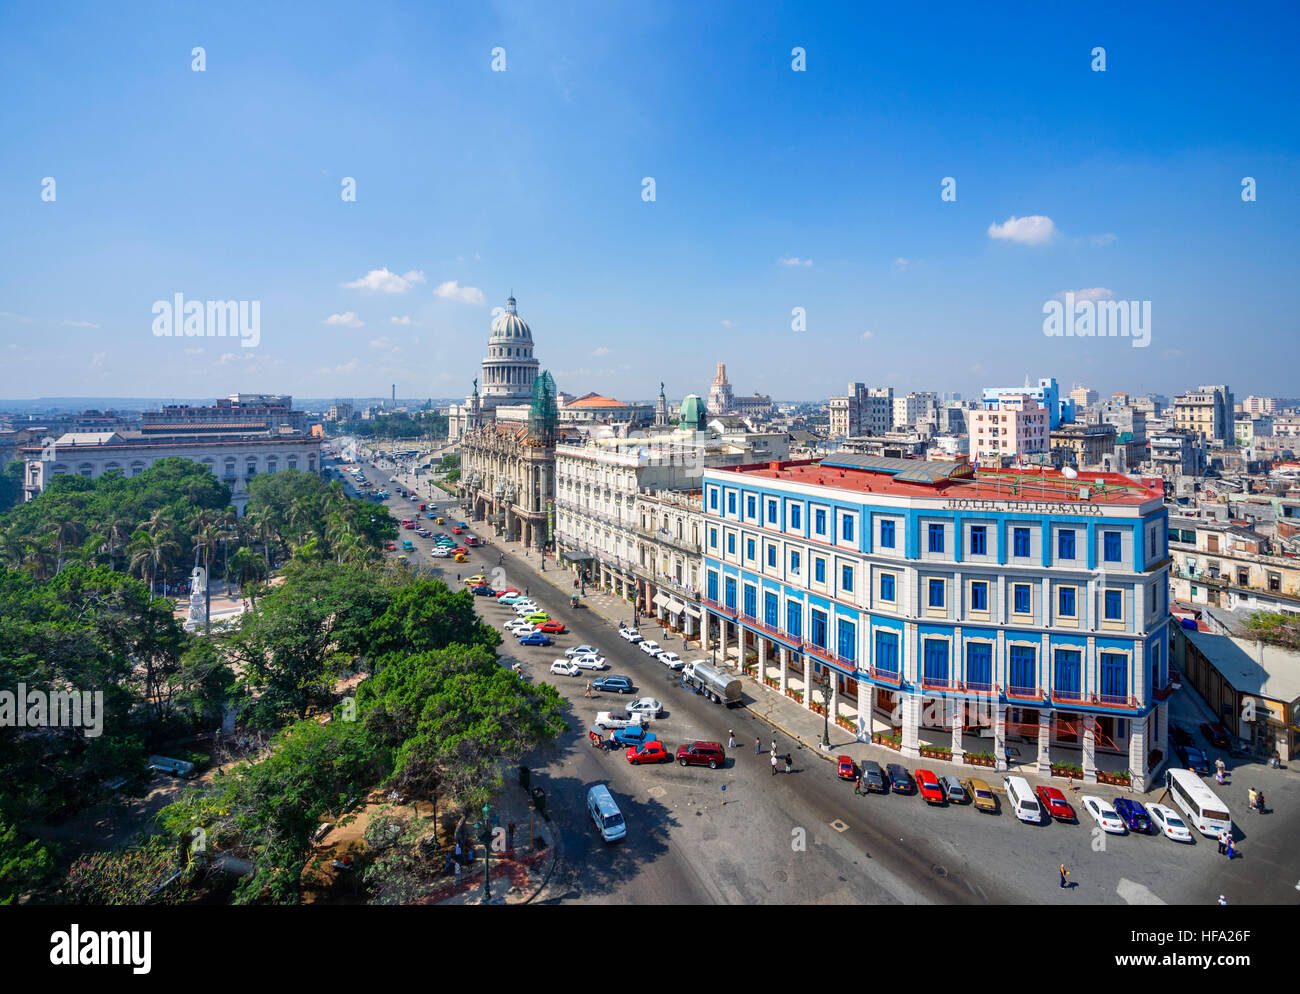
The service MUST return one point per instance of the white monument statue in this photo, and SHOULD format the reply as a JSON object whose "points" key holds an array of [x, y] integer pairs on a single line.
{"points": [[198, 595]]}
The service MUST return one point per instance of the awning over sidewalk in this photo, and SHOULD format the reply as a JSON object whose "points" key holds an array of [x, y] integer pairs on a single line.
{"points": [[694, 612], [660, 599], [675, 606], [576, 556]]}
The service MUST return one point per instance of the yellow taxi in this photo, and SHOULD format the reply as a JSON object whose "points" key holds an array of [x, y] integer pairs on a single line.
{"points": [[437, 521], [475, 580], [981, 794]]}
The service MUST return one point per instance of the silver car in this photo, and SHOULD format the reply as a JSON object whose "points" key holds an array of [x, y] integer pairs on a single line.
{"points": [[953, 790]]}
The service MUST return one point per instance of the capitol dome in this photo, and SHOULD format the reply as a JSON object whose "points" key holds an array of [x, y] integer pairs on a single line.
{"points": [[509, 370], [510, 327]]}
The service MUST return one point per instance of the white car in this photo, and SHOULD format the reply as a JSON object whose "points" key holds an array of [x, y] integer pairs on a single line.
{"points": [[1166, 820], [518, 625], [671, 660], [590, 661], [649, 648], [1103, 814], [582, 650], [565, 667], [647, 706], [440, 552], [629, 634]]}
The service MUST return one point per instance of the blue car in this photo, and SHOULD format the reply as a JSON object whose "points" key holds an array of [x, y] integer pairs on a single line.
{"points": [[1193, 759], [618, 684], [1134, 814], [536, 638], [634, 735], [482, 590]]}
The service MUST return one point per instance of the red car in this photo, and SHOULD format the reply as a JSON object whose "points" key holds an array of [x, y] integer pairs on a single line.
{"points": [[552, 627], [1215, 734], [409, 524], [507, 592], [844, 768], [391, 546], [1055, 804], [421, 507], [648, 752], [928, 784], [456, 529]]}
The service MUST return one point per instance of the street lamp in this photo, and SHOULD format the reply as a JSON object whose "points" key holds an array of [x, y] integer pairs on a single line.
{"points": [[486, 837]]}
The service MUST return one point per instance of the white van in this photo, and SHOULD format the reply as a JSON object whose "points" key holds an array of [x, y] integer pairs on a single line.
{"points": [[605, 813], [1022, 800]]}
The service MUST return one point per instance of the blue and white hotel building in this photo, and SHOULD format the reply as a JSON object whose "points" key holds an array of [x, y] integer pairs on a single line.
{"points": [[1021, 614]]}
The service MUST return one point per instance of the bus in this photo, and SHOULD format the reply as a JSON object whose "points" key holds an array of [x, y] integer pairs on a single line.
{"points": [[1201, 805]]}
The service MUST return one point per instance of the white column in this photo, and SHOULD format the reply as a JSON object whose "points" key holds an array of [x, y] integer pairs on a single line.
{"points": [[835, 698], [958, 726], [807, 681], [762, 658], [1044, 742], [1000, 737], [1137, 752], [1089, 749], [783, 656], [911, 708]]}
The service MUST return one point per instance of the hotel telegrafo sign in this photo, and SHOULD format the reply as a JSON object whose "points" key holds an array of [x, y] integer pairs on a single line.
{"points": [[1022, 506]]}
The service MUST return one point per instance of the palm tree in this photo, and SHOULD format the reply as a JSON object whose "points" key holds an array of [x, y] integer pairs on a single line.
{"points": [[151, 553], [301, 513], [12, 547], [248, 568], [66, 532], [116, 531], [40, 556]]}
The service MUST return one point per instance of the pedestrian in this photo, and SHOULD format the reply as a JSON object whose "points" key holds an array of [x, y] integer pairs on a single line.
{"points": [[757, 747], [525, 590], [774, 747], [789, 763], [1222, 900], [1064, 873], [458, 578], [1232, 851], [460, 853], [588, 693], [773, 764], [1223, 842], [731, 739], [458, 872], [857, 784]]}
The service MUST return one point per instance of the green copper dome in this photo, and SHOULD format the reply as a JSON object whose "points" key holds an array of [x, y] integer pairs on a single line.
{"points": [[693, 413]]}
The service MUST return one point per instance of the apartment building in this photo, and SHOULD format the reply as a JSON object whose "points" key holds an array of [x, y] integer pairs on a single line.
{"points": [[1231, 567], [1207, 410], [1017, 427]]}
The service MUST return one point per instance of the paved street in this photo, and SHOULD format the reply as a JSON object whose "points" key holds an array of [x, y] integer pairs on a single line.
{"points": [[805, 837]]}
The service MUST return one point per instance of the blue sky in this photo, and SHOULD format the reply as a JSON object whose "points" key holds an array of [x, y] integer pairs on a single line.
{"points": [[225, 184]]}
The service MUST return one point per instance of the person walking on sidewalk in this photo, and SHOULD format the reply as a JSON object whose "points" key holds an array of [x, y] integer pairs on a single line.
{"points": [[774, 747], [789, 763], [774, 764], [1064, 873], [857, 784], [588, 693], [731, 739], [1223, 842], [757, 747]]}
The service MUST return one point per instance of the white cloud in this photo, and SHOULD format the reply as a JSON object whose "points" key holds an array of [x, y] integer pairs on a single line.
{"points": [[794, 260], [81, 324], [385, 344], [728, 323], [347, 319], [452, 290], [901, 263], [404, 319], [1033, 230], [867, 334], [1105, 239], [1091, 294], [383, 281], [601, 351]]}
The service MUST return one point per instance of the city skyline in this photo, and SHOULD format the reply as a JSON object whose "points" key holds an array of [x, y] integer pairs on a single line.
{"points": [[774, 190]]}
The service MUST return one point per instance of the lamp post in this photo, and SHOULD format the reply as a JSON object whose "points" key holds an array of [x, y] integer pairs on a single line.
{"points": [[486, 837]]}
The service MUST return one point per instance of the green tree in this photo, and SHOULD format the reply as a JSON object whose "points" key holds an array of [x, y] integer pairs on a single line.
{"points": [[25, 867]]}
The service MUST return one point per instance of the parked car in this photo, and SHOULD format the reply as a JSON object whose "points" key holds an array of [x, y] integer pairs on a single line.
{"points": [[617, 719], [649, 647], [953, 790], [552, 627], [844, 768], [1134, 814], [535, 638], [899, 781], [647, 706], [589, 662], [1193, 759], [507, 592], [649, 752], [671, 660], [482, 590], [629, 634], [1103, 814], [517, 626], [981, 795], [618, 684], [1054, 803], [582, 650], [710, 754], [873, 777], [440, 552], [605, 814], [562, 667], [456, 529], [928, 784], [633, 735], [1180, 736], [1168, 823], [1216, 734]]}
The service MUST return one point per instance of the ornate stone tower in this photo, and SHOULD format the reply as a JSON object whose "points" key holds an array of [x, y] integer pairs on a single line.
{"points": [[721, 400], [661, 408]]}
